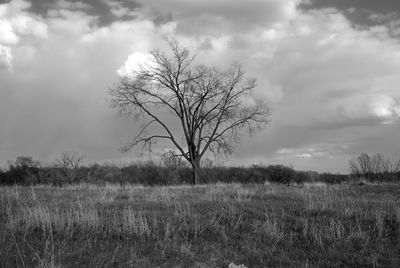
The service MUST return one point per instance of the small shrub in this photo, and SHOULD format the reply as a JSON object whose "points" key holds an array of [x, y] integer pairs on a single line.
{"points": [[280, 174]]}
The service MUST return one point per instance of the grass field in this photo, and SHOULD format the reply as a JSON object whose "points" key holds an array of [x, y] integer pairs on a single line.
{"points": [[200, 226]]}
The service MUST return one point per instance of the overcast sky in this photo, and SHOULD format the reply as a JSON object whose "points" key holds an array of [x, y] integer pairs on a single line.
{"points": [[329, 69]]}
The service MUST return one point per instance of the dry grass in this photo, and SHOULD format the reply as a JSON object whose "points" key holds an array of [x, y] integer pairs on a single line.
{"points": [[258, 225]]}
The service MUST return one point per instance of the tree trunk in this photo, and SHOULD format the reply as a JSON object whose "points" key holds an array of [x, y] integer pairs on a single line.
{"points": [[196, 173]]}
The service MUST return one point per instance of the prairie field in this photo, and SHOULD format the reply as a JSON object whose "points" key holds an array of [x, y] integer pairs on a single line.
{"points": [[314, 225]]}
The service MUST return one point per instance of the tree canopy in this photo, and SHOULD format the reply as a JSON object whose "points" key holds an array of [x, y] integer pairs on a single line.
{"points": [[210, 106]]}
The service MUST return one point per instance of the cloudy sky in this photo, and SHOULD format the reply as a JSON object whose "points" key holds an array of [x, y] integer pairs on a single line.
{"points": [[329, 69]]}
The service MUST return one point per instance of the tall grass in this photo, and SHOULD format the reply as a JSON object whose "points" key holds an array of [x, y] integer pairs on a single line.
{"points": [[258, 225]]}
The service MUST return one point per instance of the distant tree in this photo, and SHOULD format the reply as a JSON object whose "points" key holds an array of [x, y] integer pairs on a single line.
{"points": [[210, 106], [69, 163], [25, 162], [391, 165], [361, 165], [370, 166], [23, 170]]}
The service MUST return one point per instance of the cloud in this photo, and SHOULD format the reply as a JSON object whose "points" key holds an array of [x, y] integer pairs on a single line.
{"points": [[119, 10], [59, 88], [5, 57], [378, 106], [326, 58], [135, 62], [222, 17], [74, 5], [389, 21], [313, 150], [17, 24], [7, 35]]}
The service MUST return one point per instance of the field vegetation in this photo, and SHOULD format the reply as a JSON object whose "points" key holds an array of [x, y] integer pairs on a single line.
{"points": [[259, 225]]}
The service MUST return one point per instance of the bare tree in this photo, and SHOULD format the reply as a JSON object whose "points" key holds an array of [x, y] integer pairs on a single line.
{"points": [[69, 164], [25, 162], [373, 165], [354, 168], [392, 166], [209, 106]]}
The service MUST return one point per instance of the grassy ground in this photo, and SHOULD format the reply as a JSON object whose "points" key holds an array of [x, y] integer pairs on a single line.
{"points": [[202, 226]]}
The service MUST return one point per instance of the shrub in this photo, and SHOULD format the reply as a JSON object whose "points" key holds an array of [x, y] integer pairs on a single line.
{"points": [[333, 178], [259, 174], [280, 174], [24, 170], [301, 177], [2, 176], [52, 175]]}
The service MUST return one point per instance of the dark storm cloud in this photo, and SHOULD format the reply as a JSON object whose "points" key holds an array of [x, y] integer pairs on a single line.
{"points": [[382, 6], [103, 9], [363, 12]]}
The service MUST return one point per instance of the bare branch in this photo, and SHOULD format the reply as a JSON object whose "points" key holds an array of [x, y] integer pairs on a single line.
{"points": [[69, 163], [210, 106]]}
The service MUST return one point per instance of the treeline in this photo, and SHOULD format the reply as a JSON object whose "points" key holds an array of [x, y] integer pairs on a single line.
{"points": [[169, 171], [26, 171]]}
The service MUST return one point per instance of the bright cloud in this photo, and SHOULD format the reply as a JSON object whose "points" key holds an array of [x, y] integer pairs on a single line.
{"points": [[17, 24], [7, 35], [361, 106], [135, 62]]}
